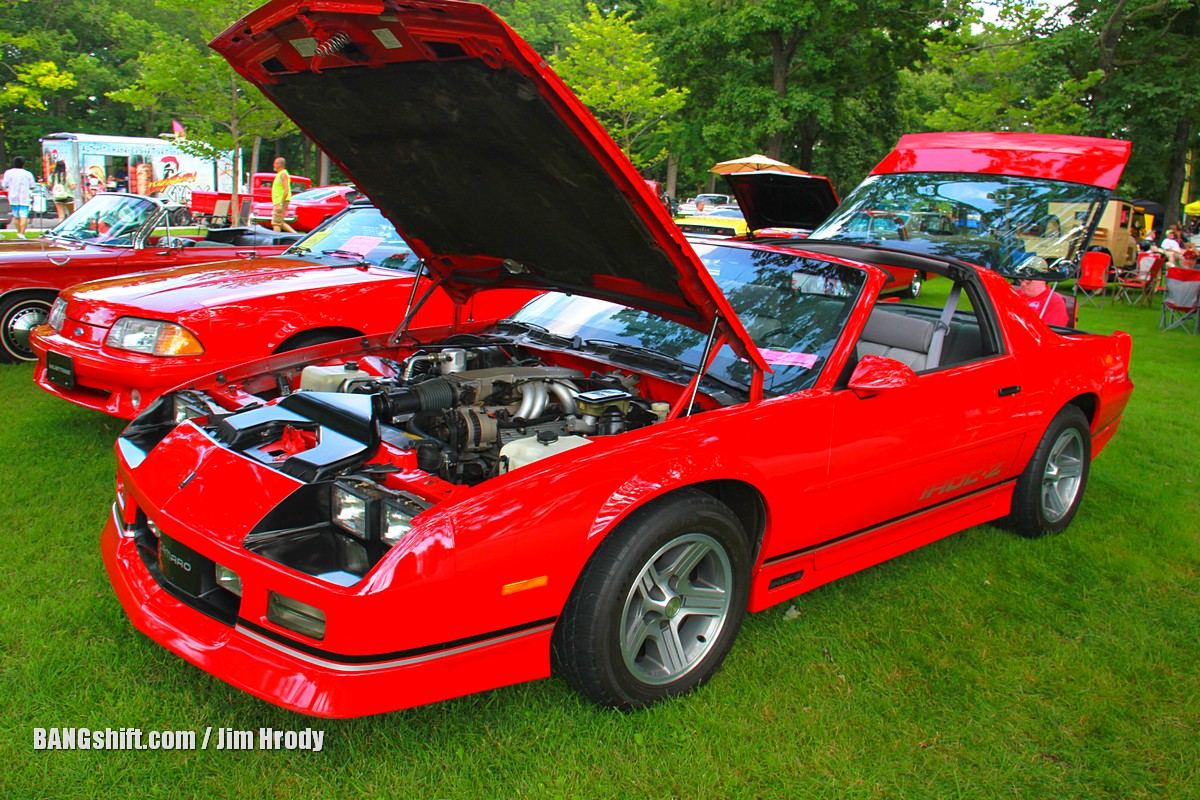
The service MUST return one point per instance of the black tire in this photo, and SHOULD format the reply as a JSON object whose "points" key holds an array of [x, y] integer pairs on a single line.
{"points": [[18, 316], [914, 286], [632, 598], [182, 216], [310, 338], [1049, 491]]}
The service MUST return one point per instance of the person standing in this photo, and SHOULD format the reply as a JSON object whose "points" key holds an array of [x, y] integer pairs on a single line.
{"points": [[281, 194], [62, 190], [18, 182]]}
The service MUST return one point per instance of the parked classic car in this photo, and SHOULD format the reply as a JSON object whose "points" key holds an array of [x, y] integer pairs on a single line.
{"points": [[677, 433], [310, 208], [112, 234], [115, 345]]}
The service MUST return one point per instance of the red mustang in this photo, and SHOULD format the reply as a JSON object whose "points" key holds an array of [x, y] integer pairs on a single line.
{"points": [[309, 208], [611, 478], [113, 234], [116, 345]]}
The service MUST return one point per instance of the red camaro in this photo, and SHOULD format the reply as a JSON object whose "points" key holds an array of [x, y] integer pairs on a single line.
{"points": [[116, 345], [112, 234], [675, 434], [309, 208]]}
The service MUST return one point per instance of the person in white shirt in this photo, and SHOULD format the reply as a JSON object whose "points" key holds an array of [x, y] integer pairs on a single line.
{"points": [[19, 182], [1172, 249]]}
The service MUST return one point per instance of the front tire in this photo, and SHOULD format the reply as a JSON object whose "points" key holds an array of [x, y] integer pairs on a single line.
{"points": [[1049, 491], [18, 317], [658, 605]]}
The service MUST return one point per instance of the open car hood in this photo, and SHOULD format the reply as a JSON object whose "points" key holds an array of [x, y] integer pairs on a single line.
{"points": [[783, 200], [479, 154], [1021, 204]]}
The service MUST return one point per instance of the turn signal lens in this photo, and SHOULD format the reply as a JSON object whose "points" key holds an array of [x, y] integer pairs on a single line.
{"points": [[153, 337], [58, 315], [296, 616], [228, 579]]}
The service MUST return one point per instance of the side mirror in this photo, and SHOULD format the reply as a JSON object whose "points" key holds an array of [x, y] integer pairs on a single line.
{"points": [[875, 374]]}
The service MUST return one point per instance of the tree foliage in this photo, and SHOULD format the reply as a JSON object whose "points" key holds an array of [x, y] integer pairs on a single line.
{"points": [[614, 71]]}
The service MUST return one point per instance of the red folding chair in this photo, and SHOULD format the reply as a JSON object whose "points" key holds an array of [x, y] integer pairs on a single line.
{"points": [[1138, 287], [1181, 305], [1093, 277]]}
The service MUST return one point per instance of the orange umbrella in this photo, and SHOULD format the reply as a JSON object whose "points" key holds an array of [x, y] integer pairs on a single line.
{"points": [[755, 163]]}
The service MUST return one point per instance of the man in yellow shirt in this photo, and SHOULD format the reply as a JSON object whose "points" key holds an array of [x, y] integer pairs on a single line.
{"points": [[281, 194]]}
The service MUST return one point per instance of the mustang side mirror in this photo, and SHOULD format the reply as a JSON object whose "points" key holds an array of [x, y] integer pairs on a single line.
{"points": [[875, 374]]}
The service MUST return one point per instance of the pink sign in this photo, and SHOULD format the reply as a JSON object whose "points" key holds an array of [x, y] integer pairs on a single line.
{"points": [[361, 244], [779, 358]]}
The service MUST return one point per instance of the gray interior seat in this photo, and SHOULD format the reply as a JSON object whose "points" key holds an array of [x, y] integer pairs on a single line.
{"points": [[897, 336]]}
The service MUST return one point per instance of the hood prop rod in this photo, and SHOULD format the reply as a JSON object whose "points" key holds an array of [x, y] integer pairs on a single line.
{"points": [[414, 305], [711, 347]]}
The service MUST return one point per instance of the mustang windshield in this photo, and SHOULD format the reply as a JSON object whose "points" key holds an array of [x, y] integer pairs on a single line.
{"points": [[111, 219], [1017, 226], [793, 307], [361, 234]]}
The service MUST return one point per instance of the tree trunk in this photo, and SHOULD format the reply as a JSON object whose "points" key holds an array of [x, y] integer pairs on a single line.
{"points": [[672, 173], [3, 147], [782, 54], [323, 170], [1178, 170], [254, 154]]}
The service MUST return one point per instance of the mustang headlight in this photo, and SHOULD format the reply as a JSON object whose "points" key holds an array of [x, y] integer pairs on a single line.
{"points": [[153, 337], [372, 513], [296, 616], [58, 315]]}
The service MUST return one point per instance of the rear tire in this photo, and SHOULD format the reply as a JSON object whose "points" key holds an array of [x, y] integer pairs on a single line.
{"points": [[1049, 491], [914, 286], [658, 605]]}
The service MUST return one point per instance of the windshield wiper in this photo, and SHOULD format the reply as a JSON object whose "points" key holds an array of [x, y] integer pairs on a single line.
{"points": [[535, 331], [634, 352], [347, 254]]}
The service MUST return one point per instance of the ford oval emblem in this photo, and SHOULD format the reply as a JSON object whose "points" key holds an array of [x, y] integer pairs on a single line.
{"points": [[79, 331]]}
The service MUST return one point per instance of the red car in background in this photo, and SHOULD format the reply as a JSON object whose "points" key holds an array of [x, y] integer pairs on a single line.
{"points": [[676, 433], [116, 345], [112, 234], [309, 208]]}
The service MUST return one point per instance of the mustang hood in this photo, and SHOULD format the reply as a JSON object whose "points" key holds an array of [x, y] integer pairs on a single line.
{"points": [[484, 160], [178, 291], [783, 200]]}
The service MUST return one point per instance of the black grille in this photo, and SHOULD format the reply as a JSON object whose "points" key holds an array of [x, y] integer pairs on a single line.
{"points": [[196, 585]]}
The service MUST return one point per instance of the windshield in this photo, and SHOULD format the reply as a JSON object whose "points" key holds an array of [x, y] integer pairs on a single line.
{"points": [[793, 307], [1017, 226], [112, 219], [361, 234]]}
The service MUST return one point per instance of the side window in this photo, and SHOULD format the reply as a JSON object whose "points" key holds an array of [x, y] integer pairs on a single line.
{"points": [[950, 324]]}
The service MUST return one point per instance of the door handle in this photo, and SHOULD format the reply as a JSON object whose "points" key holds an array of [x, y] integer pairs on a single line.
{"points": [[1008, 391]]}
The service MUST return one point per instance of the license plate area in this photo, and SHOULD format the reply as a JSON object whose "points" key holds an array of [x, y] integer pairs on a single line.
{"points": [[184, 567], [60, 369]]}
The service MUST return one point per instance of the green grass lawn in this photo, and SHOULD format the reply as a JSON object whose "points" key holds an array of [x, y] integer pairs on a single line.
{"points": [[982, 666]]}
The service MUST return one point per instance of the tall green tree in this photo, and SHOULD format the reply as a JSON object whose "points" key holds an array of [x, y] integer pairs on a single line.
{"points": [[545, 24], [179, 77], [614, 71]]}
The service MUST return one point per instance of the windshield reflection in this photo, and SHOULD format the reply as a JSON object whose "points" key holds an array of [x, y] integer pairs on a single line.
{"points": [[793, 307], [116, 220], [362, 234], [1011, 225]]}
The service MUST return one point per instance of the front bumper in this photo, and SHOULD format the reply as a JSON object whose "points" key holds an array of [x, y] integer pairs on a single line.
{"points": [[246, 655], [108, 383]]}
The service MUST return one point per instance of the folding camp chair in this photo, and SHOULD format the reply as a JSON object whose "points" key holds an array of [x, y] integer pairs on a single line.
{"points": [[1093, 277], [1138, 287], [1181, 305]]}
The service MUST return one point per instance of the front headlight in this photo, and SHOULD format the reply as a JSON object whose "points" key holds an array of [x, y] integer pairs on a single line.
{"points": [[373, 513], [350, 510], [58, 315], [153, 337]]}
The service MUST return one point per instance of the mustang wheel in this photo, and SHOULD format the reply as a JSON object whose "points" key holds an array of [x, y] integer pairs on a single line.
{"points": [[658, 605], [18, 317], [1050, 489], [914, 285]]}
